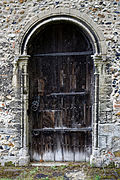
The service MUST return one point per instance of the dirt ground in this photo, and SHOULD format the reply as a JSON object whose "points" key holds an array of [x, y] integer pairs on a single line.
{"points": [[63, 172]]}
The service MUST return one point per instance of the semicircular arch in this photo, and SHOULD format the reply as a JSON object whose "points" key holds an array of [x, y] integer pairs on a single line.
{"points": [[74, 16]]}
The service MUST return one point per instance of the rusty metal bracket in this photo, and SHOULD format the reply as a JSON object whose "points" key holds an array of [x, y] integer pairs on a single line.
{"points": [[35, 103]]}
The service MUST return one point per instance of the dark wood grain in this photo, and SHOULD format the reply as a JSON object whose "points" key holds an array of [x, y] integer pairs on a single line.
{"points": [[61, 74]]}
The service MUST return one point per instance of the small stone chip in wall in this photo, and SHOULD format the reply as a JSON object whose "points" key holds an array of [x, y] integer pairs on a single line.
{"points": [[21, 1]]}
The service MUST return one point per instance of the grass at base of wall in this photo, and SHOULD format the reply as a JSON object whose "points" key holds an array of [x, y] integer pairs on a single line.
{"points": [[58, 172]]}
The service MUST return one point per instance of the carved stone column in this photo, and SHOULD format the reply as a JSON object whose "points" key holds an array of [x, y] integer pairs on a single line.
{"points": [[95, 149], [97, 62], [24, 157]]}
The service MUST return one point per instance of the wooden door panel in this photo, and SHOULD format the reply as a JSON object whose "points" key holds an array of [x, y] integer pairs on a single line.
{"points": [[60, 95], [63, 106], [62, 146]]}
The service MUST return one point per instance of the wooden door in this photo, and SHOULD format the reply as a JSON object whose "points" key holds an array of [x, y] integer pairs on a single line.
{"points": [[61, 75]]}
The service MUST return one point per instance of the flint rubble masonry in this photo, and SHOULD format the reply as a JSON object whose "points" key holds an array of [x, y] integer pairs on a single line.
{"points": [[14, 18]]}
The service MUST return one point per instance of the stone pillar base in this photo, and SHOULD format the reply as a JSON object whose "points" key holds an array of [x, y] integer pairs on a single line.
{"points": [[95, 159], [24, 161], [24, 157]]}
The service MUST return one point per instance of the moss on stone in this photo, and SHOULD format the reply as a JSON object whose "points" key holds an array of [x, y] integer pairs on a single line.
{"points": [[117, 154], [58, 172], [9, 163]]}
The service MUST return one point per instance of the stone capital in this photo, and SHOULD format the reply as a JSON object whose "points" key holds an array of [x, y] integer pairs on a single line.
{"points": [[97, 58], [23, 59]]}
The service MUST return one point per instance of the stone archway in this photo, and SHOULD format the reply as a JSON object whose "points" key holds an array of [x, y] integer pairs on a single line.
{"points": [[99, 54]]}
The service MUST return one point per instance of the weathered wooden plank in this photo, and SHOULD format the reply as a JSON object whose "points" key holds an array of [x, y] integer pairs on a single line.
{"points": [[60, 75]]}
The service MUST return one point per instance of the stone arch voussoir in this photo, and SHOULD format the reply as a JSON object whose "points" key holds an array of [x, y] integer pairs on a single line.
{"points": [[58, 14]]}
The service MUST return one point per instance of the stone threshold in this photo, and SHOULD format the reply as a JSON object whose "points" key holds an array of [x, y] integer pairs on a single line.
{"points": [[49, 164]]}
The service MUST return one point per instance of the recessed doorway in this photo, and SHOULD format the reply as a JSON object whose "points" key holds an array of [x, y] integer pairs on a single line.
{"points": [[61, 93]]}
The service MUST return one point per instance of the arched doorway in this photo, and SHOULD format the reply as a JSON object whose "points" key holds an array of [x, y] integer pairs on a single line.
{"points": [[61, 92]]}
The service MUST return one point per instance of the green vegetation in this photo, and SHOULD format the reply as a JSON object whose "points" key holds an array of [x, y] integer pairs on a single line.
{"points": [[58, 172], [53, 167], [9, 163], [5, 179], [117, 154], [97, 177]]}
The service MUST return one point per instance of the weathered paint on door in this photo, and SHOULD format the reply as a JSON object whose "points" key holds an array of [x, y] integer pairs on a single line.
{"points": [[61, 86]]}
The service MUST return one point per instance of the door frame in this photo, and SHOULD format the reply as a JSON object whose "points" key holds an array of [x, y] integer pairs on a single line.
{"points": [[20, 72]]}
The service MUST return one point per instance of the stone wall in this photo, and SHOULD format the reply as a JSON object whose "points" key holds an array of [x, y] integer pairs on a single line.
{"points": [[14, 16]]}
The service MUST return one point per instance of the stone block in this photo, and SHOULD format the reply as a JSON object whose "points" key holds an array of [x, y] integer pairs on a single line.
{"points": [[2, 104], [102, 141], [24, 160], [106, 129]]}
